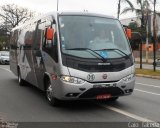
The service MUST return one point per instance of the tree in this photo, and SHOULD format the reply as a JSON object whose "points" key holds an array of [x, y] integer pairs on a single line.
{"points": [[142, 11], [155, 36], [119, 6], [133, 26], [154, 22], [4, 39], [12, 15]]}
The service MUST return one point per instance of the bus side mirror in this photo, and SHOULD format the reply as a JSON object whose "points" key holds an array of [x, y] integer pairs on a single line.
{"points": [[50, 33], [128, 33]]}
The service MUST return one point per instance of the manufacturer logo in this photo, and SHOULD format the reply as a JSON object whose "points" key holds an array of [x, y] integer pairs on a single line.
{"points": [[104, 76], [91, 77]]}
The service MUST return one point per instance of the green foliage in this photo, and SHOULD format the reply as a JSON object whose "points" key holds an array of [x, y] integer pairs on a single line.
{"points": [[1, 46], [133, 26], [147, 72], [135, 40], [4, 39]]}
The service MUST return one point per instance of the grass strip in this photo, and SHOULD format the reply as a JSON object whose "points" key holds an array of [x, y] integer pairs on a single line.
{"points": [[147, 72]]}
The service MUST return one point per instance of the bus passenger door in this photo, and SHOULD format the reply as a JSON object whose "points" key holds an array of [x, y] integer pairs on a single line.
{"points": [[37, 53]]}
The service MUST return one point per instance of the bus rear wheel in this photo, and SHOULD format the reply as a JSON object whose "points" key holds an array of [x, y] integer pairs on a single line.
{"points": [[50, 94], [3, 62], [20, 80]]}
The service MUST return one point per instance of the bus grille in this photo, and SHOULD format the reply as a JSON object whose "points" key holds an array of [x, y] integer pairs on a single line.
{"points": [[102, 68]]}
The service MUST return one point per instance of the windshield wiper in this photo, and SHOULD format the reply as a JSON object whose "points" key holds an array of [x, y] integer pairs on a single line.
{"points": [[88, 49], [111, 49]]}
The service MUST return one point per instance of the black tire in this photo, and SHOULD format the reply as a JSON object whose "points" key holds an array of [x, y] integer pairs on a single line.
{"points": [[20, 80], [113, 99], [50, 94], [3, 62]]}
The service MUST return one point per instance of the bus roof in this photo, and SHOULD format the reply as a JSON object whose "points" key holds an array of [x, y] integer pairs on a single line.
{"points": [[63, 13], [84, 14]]}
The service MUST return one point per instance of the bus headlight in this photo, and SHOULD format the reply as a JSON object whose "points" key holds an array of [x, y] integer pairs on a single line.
{"points": [[72, 79], [128, 78]]}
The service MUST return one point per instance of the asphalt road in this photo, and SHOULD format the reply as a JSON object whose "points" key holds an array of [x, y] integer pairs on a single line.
{"points": [[28, 104]]}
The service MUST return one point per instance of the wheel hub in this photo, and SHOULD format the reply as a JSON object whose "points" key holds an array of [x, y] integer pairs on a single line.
{"points": [[49, 92]]}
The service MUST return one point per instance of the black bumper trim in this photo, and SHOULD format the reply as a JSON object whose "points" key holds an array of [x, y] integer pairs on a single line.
{"points": [[93, 92]]}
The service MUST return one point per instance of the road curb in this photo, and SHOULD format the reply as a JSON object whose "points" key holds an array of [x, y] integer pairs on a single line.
{"points": [[148, 76]]}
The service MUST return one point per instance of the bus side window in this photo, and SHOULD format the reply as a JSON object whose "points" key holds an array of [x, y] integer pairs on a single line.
{"points": [[50, 46], [37, 39]]}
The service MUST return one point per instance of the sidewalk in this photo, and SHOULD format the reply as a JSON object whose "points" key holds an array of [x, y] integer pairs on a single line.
{"points": [[150, 61], [147, 66]]}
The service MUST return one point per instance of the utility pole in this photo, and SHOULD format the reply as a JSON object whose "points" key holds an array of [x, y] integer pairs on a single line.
{"points": [[119, 5], [141, 42], [147, 35], [141, 54], [57, 4], [155, 37]]}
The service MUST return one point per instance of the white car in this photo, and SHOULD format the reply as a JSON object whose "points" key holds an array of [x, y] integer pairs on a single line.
{"points": [[4, 57]]}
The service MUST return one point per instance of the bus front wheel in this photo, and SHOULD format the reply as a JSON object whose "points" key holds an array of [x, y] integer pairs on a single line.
{"points": [[50, 94]]}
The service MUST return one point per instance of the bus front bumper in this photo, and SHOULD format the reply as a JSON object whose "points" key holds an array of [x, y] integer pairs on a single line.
{"points": [[70, 91]]}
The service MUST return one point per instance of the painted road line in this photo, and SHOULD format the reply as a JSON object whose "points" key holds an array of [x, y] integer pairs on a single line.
{"points": [[5, 69], [157, 94], [139, 118], [150, 85]]}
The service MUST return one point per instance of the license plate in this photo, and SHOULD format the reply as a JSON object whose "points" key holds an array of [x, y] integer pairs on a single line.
{"points": [[104, 96], [102, 86]]}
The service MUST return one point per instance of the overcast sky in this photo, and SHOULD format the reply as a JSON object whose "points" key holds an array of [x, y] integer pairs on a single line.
{"points": [[108, 7]]}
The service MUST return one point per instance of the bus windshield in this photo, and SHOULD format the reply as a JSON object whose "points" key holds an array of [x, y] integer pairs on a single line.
{"points": [[82, 34]]}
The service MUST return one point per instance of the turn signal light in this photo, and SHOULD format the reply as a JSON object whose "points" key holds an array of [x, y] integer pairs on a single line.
{"points": [[54, 77]]}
